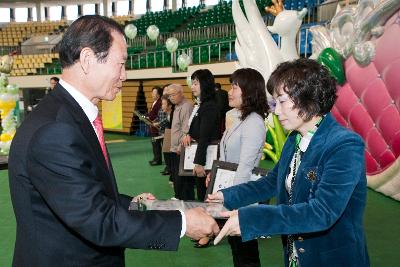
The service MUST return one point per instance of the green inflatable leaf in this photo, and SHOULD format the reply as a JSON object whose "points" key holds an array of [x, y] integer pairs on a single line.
{"points": [[333, 61]]}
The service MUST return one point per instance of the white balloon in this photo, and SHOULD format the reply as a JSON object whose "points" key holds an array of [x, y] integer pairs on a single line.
{"points": [[153, 32], [3, 80], [12, 89], [6, 63], [183, 61], [189, 81], [5, 147], [3, 97], [130, 31], [172, 44]]}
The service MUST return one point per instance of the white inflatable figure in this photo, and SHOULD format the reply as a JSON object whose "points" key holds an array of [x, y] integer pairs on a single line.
{"points": [[287, 23], [254, 44]]}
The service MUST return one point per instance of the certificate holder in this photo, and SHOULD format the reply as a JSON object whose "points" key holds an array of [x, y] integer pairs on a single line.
{"points": [[211, 208], [187, 155], [144, 119], [223, 173]]}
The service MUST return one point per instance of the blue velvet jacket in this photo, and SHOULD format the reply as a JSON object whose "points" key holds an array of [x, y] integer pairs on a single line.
{"points": [[330, 188]]}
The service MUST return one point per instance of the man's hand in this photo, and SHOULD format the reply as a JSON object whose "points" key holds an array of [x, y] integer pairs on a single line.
{"points": [[199, 224], [216, 197], [231, 227], [144, 196], [199, 171]]}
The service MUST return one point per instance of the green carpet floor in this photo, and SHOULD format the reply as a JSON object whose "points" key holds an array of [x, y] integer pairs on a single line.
{"points": [[130, 156]]}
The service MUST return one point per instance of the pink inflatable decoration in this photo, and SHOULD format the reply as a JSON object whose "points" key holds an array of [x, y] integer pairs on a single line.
{"points": [[369, 103]]}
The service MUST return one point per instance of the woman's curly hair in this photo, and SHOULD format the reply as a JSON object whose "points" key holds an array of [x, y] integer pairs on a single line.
{"points": [[308, 84], [254, 98]]}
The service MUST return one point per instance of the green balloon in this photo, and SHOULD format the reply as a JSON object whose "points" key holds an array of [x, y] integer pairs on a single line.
{"points": [[333, 61]]}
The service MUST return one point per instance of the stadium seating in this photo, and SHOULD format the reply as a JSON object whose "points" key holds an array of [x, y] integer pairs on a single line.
{"points": [[206, 34], [15, 32], [36, 64]]}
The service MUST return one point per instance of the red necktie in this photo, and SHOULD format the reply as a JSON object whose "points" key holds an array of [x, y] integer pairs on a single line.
{"points": [[98, 124]]}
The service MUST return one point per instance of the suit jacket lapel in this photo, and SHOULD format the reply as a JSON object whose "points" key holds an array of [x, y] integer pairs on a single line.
{"points": [[87, 130]]}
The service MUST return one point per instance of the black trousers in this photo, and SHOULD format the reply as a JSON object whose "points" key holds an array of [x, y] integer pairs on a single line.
{"points": [[167, 160], [156, 144], [245, 254], [183, 185]]}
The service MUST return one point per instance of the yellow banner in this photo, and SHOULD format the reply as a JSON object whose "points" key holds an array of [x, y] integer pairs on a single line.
{"points": [[112, 113]]}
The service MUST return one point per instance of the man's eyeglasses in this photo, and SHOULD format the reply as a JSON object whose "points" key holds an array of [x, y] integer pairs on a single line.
{"points": [[172, 95]]}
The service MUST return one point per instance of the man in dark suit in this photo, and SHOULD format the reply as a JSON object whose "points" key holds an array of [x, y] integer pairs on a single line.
{"points": [[65, 197]]}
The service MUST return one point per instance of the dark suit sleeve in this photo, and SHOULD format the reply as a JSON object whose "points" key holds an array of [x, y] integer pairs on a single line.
{"points": [[125, 200], [69, 179], [209, 124]]}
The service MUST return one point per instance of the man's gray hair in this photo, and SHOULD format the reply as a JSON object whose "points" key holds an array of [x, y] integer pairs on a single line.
{"points": [[175, 86]]}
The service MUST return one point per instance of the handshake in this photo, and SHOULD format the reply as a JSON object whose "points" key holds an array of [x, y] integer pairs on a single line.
{"points": [[199, 223]]}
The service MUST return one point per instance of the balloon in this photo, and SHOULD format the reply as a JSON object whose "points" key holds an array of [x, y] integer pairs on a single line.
{"points": [[171, 44], [130, 31], [5, 137], [4, 97], [6, 63], [189, 81], [5, 147], [12, 89], [3, 80], [183, 61], [333, 61], [153, 32], [9, 94]]}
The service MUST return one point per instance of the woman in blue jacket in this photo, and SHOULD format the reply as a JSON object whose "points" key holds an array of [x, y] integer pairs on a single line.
{"points": [[319, 182]]}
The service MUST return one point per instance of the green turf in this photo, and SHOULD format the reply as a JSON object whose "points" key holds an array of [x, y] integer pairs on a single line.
{"points": [[134, 175]]}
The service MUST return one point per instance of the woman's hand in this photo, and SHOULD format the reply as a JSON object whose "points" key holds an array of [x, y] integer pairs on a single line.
{"points": [[144, 196], [199, 171], [231, 227], [216, 197], [186, 140]]}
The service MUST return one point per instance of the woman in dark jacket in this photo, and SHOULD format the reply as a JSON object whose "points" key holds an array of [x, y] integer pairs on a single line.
{"points": [[319, 182], [204, 124]]}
